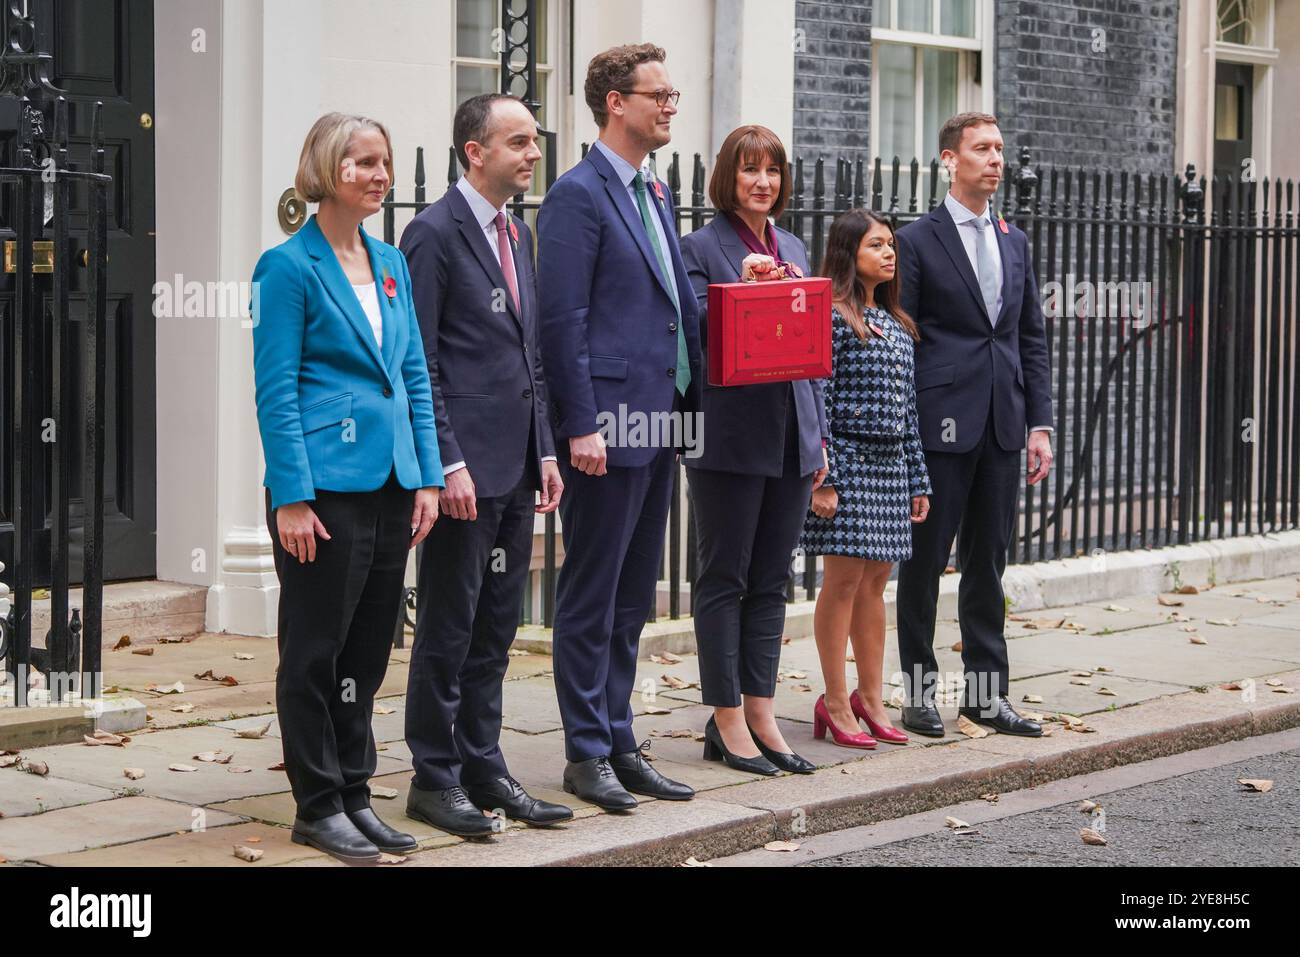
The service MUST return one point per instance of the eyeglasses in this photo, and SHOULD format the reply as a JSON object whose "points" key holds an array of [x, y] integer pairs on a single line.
{"points": [[662, 97]]}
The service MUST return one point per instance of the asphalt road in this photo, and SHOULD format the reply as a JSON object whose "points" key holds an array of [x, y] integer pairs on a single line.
{"points": [[1199, 818]]}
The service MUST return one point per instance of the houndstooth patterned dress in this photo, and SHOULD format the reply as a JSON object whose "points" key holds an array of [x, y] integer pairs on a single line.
{"points": [[876, 461]]}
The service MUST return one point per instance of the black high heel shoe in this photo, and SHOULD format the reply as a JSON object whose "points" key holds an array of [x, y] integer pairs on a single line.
{"points": [[715, 750], [784, 760]]}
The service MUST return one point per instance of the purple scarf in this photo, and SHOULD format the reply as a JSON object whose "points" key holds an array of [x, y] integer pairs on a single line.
{"points": [[755, 245]]}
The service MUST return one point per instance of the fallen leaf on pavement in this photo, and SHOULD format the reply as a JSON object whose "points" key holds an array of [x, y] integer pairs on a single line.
{"points": [[1273, 682], [174, 641], [240, 656], [181, 767], [254, 733], [38, 768], [954, 822], [956, 645], [969, 728], [238, 769], [1283, 689], [1107, 692], [183, 708], [1188, 590], [674, 733], [123, 642], [1045, 624], [672, 681], [133, 774], [147, 652], [1092, 837], [1197, 640], [1103, 669], [384, 709], [250, 854], [991, 797], [1257, 785], [1081, 674], [692, 862], [213, 757], [796, 675], [1087, 807], [228, 680], [1168, 601], [1232, 686], [1032, 699], [380, 791], [1080, 681], [1017, 618], [390, 859], [8, 760], [1117, 608], [780, 846], [665, 658], [656, 709], [803, 687], [897, 698], [276, 767], [174, 688], [1224, 622]]}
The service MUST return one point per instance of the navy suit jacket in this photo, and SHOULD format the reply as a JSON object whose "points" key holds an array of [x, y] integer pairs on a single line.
{"points": [[744, 426], [485, 368], [966, 365], [609, 329]]}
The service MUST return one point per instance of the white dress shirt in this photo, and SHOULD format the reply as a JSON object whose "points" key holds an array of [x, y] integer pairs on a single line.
{"points": [[969, 236], [486, 216], [368, 296]]}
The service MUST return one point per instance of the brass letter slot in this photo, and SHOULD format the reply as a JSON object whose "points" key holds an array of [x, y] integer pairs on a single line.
{"points": [[42, 256]]}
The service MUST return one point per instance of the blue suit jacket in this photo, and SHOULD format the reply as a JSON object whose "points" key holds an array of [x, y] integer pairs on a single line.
{"points": [[744, 426], [334, 411], [484, 363], [609, 329], [964, 363]]}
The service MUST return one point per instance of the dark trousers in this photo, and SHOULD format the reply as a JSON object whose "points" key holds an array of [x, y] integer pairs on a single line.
{"points": [[471, 587], [336, 621], [975, 491], [613, 528], [746, 529]]}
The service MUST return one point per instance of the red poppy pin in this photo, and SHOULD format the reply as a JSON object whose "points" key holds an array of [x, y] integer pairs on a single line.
{"points": [[1002, 225], [390, 285], [659, 190], [514, 233]]}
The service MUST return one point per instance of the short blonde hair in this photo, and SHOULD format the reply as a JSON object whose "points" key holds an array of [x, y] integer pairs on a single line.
{"points": [[325, 149]]}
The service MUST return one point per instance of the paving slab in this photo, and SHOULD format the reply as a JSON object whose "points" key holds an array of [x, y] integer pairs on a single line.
{"points": [[84, 826], [1059, 693], [211, 847], [22, 793]]}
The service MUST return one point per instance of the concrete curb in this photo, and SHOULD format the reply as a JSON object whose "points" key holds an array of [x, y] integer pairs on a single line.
{"points": [[943, 775]]}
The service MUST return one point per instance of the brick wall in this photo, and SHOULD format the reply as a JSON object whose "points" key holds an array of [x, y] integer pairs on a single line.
{"points": [[832, 79]]}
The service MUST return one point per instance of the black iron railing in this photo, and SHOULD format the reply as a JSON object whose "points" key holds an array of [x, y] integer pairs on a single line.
{"points": [[1171, 334]]}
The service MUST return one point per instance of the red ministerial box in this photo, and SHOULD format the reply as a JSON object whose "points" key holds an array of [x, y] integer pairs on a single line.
{"points": [[773, 331]]}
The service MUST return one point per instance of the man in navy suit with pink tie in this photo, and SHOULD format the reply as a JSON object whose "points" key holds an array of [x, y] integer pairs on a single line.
{"points": [[620, 339]]}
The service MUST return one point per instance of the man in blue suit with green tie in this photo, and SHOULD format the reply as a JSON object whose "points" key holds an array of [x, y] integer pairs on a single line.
{"points": [[620, 343]]}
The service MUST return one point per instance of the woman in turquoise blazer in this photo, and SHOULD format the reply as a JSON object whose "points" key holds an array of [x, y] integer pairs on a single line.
{"points": [[352, 475]]}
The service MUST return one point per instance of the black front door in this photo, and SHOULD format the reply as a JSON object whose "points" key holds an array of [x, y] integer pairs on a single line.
{"points": [[103, 51]]}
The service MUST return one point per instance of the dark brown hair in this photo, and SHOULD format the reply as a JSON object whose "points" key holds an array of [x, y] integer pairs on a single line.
{"points": [[612, 70], [840, 266], [473, 122], [754, 143], [952, 130]]}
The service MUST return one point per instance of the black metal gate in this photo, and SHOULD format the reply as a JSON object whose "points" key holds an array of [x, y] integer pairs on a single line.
{"points": [[52, 437]]}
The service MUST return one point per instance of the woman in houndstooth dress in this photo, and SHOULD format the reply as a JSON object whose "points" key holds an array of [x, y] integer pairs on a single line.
{"points": [[877, 487]]}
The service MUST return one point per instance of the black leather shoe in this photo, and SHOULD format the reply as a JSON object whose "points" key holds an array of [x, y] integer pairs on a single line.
{"points": [[594, 781], [387, 839], [635, 774], [448, 810], [338, 837], [508, 796], [716, 750], [1004, 720], [784, 760], [924, 720]]}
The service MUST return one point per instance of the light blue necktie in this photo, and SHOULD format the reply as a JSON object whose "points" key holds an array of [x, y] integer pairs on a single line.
{"points": [[985, 268]]}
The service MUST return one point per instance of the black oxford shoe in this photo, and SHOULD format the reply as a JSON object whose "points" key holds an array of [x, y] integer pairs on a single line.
{"points": [[923, 720], [635, 774], [387, 839], [338, 837], [448, 810], [594, 781], [509, 797], [1004, 720]]}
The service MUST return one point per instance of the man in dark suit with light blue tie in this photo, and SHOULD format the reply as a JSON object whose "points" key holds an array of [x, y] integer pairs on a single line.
{"points": [[620, 337], [475, 294], [982, 376]]}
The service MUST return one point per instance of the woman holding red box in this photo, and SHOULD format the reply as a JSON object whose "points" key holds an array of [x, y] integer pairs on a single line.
{"points": [[878, 486], [762, 455]]}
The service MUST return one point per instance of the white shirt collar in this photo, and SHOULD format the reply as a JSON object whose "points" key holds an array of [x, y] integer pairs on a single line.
{"points": [[625, 170], [484, 214], [960, 214]]}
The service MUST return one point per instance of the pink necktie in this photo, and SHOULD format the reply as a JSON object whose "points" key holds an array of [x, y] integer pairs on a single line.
{"points": [[507, 259]]}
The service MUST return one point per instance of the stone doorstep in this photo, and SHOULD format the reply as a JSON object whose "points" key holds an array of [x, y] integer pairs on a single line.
{"points": [[39, 726], [933, 777], [141, 609]]}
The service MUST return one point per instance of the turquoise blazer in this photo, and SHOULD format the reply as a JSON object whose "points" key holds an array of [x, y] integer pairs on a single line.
{"points": [[335, 412]]}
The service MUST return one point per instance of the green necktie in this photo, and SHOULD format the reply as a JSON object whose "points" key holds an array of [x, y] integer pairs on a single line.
{"points": [[683, 356]]}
